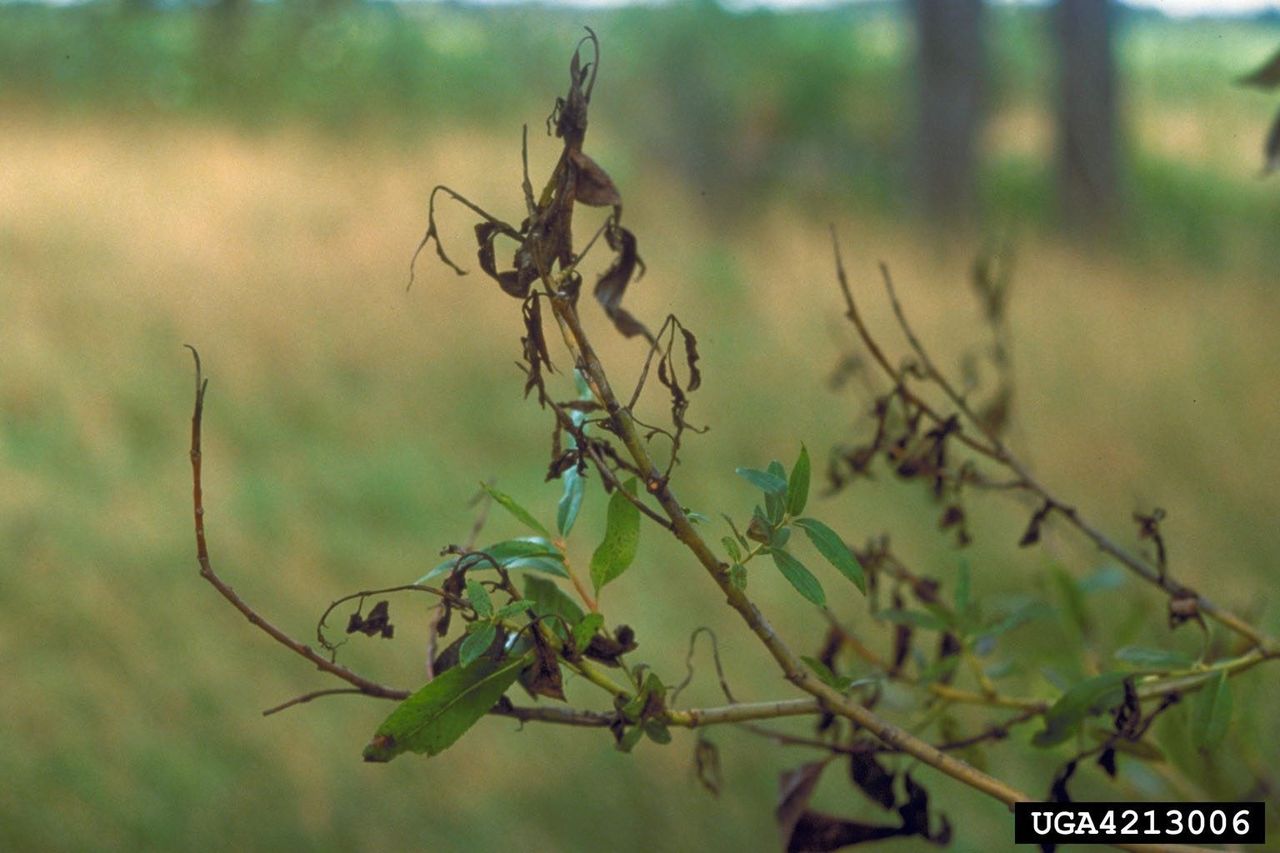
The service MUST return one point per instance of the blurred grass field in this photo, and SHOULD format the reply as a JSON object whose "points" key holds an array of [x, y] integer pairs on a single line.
{"points": [[349, 421]]}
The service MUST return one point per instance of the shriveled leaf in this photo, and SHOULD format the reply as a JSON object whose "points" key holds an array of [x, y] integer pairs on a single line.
{"points": [[543, 677], [612, 284], [872, 778], [621, 539], [433, 718], [798, 483], [1159, 659], [832, 547], [799, 577], [795, 787], [520, 513], [691, 358], [766, 482], [706, 762], [1211, 712], [476, 643], [1088, 697], [593, 186]]}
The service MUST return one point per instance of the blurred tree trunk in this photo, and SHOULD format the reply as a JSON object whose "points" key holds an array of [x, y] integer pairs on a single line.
{"points": [[951, 71], [1087, 159]]}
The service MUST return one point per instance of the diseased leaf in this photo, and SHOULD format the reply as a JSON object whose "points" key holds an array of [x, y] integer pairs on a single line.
{"points": [[798, 483], [476, 643], [433, 718], [593, 186], [872, 778], [1211, 712], [795, 787], [1161, 659], [706, 762], [799, 577], [762, 480], [832, 547], [613, 282], [621, 539], [520, 513], [543, 678], [1088, 697], [691, 357]]}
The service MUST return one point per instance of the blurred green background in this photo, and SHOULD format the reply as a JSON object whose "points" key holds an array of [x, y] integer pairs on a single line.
{"points": [[255, 183]]}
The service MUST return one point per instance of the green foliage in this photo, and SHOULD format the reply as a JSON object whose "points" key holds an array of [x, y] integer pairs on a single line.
{"points": [[532, 553], [799, 577], [621, 539], [432, 720], [832, 548], [517, 511], [1211, 712], [1088, 697]]}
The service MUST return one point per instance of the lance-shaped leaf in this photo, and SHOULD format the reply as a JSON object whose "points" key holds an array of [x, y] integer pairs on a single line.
{"points": [[549, 600], [432, 720], [1159, 659], [530, 553], [520, 513], [621, 538], [798, 484], [1211, 712], [763, 480], [1088, 697], [832, 547], [799, 577]]}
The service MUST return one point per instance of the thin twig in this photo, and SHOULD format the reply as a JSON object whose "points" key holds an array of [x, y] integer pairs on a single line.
{"points": [[315, 694]]}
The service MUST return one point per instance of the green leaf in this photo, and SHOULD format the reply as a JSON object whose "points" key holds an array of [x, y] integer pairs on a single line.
{"points": [[738, 575], [621, 539], [1211, 712], [550, 600], [656, 731], [477, 642], [529, 552], [820, 669], [798, 484], [1161, 659], [1088, 697], [515, 608], [479, 598], [585, 629], [832, 547], [571, 500], [765, 482], [776, 502], [629, 739], [695, 517], [432, 719], [1026, 613], [521, 514], [799, 577], [914, 618], [731, 548]]}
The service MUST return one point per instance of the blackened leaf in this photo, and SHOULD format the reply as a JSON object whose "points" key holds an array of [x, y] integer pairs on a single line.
{"points": [[1107, 761], [706, 764], [832, 547], [1211, 712], [543, 677], [1266, 77], [799, 577], [1088, 697], [818, 832], [476, 643], [621, 539], [691, 356], [432, 719], [798, 483], [872, 778], [612, 284], [593, 186], [795, 787], [520, 513], [1058, 792]]}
